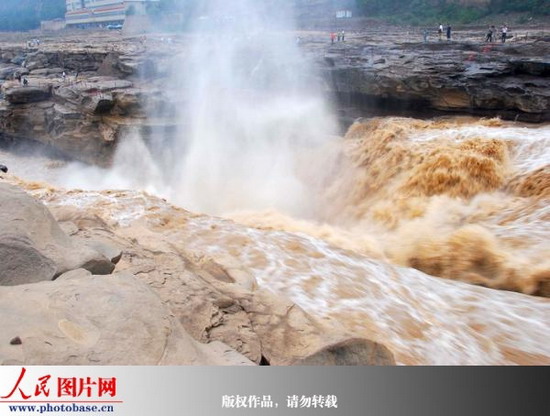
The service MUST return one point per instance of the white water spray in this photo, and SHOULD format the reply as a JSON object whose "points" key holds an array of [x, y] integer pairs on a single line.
{"points": [[250, 111], [253, 108]]}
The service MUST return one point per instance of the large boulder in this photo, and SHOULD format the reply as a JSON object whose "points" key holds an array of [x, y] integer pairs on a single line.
{"points": [[81, 319], [32, 245]]}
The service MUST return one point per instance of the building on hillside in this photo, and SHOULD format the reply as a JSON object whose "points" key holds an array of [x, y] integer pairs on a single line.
{"points": [[324, 9], [93, 13]]}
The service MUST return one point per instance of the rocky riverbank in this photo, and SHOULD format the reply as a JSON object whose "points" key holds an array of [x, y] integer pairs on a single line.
{"points": [[75, 291], [112, 82], [195, 289], [84, 112], [401, 74]]}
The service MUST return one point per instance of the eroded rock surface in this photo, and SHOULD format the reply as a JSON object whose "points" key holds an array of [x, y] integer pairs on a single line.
{"points": [[106, 86], [32, 245], [465, 76], [178, 300], [82, 319], [112, 83], [203, 268], [216, 299]]}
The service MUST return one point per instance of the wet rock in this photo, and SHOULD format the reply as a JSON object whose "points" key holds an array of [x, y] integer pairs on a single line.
{"points": [[350, 352], [290, 336], [110, 66], [99, 104], [9, 72], [204, 270], [4, 168], [214, 303], [73, 119], [35, 61], [7, 56], [47, 71], [217, 300], [18, 60]]}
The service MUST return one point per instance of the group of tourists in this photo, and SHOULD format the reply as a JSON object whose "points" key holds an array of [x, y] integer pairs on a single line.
{"points": [[492, 34], [33, 43], [341, 36]]}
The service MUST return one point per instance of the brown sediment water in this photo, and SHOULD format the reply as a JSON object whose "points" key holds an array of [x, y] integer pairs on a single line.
{"points": [[456, 198], [412, 219], [422, 319]]}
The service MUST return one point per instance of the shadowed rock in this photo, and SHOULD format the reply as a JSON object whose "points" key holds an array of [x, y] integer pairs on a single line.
{"points": [[350, 352], [27, 94], [32, 245]]}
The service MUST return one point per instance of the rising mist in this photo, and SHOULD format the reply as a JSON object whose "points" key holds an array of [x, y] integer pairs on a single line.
{"points": [[250, 110]]}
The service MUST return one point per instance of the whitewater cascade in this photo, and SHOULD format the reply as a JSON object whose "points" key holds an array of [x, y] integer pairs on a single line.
{"points": [[250, 109]]}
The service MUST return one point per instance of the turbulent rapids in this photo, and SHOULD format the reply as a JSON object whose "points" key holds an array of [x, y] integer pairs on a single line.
{"points": [[404, 206], [454, 198]]}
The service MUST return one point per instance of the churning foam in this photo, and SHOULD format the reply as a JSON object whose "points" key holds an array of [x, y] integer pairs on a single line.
{"points": [[421, 319], [455, 198]]}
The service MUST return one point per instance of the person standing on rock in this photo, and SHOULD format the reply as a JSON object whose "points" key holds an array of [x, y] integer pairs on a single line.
{"points": [[448, 32], [440, 31], [332, 37], [426, 32], [504, 33], [489, 37], [343, 36]]}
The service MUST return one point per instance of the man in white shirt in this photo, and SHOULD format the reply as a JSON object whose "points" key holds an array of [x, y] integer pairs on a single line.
{"points": [[504, 33]]}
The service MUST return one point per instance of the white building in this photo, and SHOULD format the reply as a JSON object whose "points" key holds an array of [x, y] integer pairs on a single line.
{"points": [[86, 13]]}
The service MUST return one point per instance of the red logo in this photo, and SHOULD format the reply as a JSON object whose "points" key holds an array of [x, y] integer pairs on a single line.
{"points": [[75, 387]]}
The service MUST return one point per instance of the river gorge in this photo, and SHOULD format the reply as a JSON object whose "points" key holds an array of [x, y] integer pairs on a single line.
{"points": [[266, 197]]}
